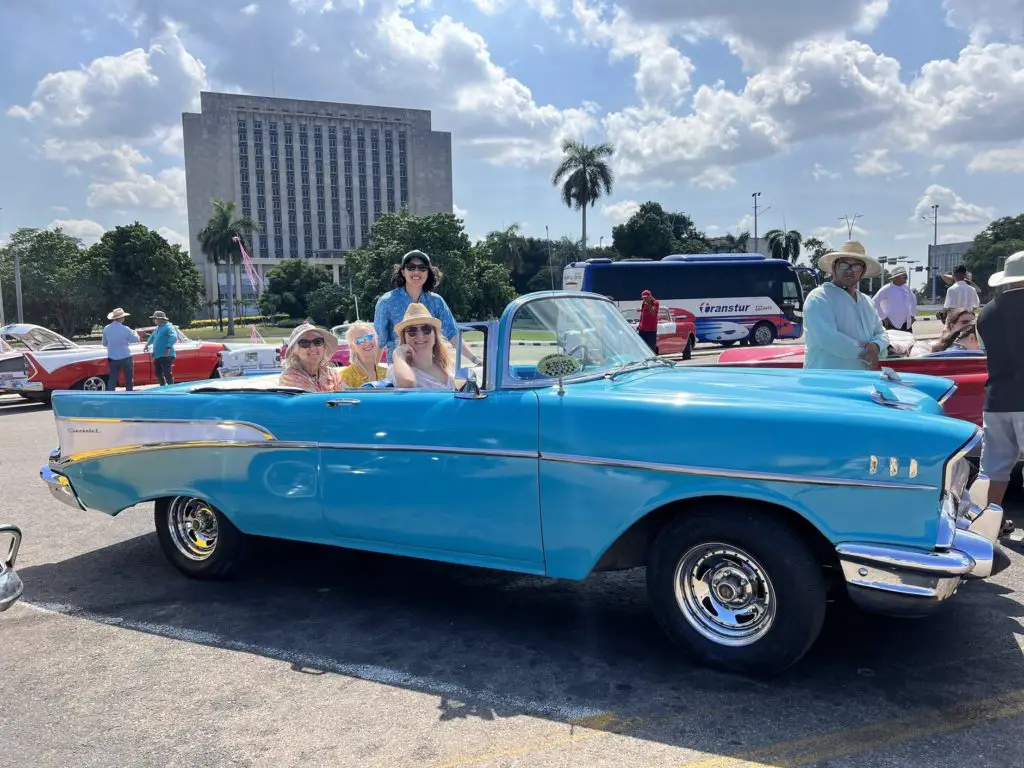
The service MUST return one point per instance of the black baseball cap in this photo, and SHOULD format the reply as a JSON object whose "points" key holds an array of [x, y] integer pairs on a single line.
{"points": [[416, 255], [961, 270]]}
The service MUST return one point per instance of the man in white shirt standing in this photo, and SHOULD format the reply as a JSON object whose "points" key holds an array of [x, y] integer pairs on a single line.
{"points": [[961, 294], [895, 303]]}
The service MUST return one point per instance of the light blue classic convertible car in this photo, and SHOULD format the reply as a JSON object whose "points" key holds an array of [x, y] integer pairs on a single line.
{"points": [[752, 497]]}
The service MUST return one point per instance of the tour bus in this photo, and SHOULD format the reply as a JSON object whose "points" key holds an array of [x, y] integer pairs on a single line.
{"points": [[731, 297]]}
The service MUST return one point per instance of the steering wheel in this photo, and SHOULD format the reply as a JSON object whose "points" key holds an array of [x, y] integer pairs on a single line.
{"points": [[557, 364]]}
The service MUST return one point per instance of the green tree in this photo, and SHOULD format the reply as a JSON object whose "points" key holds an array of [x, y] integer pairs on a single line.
{"points": [[473, 283], [815, 248], [331, 305], [506, 246], [290, 285], [1000, 239], [784, 244], [217, 239], [647, 234], [585, 176], [56, 285], [134, 267]]}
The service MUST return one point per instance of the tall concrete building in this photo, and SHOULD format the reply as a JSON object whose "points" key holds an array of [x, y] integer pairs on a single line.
{"points": [[315, 175]]}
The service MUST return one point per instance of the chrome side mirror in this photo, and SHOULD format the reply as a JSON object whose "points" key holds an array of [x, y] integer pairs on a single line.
{"points": [[11, 585], [469, 388]]}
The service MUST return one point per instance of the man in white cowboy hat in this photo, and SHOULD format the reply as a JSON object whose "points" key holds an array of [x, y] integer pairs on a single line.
{"points": [[116, 338], [162, 341], [841, 327], [999, 330], [961, 294], [895, 303]]}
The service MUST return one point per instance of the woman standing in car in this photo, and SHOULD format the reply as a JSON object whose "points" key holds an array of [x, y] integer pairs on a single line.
{"points": [[414, 282]]}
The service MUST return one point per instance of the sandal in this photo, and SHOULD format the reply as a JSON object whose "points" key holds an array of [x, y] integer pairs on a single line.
{"points": [[1007, 529]]}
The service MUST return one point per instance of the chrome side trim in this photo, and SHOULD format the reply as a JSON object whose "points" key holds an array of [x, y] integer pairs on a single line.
{"points": [[961, 452], [202, 422], [768, 477], [949, 393], [498, 453]]}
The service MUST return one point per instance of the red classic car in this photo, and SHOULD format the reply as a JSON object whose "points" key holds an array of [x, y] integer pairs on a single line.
{"points": [[50, 362], [677, 330], [967, 368]]}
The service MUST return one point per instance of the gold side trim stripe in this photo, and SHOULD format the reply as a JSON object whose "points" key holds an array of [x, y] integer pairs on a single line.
{"points": [[263, 431]]}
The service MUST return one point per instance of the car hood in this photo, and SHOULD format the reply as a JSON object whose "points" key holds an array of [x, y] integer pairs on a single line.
{"points": [[790, 388]]}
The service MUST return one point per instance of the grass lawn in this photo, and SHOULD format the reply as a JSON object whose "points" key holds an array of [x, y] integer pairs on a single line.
{"points": [[242, 332]]}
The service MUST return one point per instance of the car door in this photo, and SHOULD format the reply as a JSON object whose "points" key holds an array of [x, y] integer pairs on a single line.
{"points": [[189, 362], [435, 474]]}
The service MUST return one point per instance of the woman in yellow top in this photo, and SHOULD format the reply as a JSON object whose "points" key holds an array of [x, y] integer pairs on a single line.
{"points": [[364, 356], [307, 362]]}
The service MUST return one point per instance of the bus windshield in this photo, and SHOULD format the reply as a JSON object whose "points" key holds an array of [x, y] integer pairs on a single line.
{"points": [[741, 297]]}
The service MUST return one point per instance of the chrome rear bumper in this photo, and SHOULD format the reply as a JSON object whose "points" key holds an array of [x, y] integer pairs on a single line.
{"points": [[908, 582], [60, 487]]}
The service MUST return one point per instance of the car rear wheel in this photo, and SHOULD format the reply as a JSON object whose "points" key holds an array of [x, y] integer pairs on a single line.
{"points": [[92, 384], [762, 335], [736, 587], [198, 539]]}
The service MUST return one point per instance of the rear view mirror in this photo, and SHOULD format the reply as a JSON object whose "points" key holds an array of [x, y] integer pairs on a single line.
{"points": [[11, 585]]}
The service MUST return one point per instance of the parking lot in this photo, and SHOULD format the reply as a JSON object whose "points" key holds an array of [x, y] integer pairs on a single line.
{"points": [[326, 657]]}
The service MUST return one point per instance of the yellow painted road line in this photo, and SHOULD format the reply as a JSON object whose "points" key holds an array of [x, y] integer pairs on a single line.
{"points": [[855, 741]]}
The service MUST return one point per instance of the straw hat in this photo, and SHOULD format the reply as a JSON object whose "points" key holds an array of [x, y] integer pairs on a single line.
{"points": [[330, 342], [417, 314], [851, 249], [897, 272], [1013, 271], [117, 314]]}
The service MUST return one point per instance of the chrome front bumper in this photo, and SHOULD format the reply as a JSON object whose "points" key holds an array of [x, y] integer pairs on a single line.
{"points": [[60, 488], [908, 582]]}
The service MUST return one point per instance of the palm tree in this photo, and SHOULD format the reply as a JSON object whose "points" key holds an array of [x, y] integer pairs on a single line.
{"points": [[217, 241], [507, 246], [585, 176], [784, 244]]}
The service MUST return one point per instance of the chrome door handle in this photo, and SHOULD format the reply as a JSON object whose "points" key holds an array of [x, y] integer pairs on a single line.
{"points": [[342, 401]]}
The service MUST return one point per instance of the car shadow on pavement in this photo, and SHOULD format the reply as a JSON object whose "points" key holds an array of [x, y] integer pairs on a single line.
{"points": [[17, 405], [492, 644]]}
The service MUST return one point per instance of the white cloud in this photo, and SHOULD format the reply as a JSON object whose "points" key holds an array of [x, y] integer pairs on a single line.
{"points": [[85, 230], [952, 207], [910, 236], [936, 169], [165, 191], [986, 18], [619, 212], [876, 162], [820, 172], [461, 213], [173, 236], [251, 10], [301, 40], [840, 233], [662, 74], [714, 178], [128, 95], [1004, 160]]}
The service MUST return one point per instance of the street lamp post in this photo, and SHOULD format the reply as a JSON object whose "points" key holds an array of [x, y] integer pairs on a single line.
{"points": [[849, 224], [933, 270], [755, 195], [551, 267]]}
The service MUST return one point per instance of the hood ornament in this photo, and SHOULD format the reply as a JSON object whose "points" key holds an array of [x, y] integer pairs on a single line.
{"points": [[888, 374]]}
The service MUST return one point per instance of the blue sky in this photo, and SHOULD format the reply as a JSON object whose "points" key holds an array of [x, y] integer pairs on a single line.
{"points": [[871, 107]]}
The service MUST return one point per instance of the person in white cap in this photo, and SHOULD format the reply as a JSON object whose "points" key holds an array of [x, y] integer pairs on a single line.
{"points": [[895, 303], [841, 327], [999, 331], [116, 338]]}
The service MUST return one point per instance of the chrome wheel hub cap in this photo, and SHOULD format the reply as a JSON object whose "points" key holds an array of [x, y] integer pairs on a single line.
{"points": [[193, 527], [94, 384], [725, 594]]}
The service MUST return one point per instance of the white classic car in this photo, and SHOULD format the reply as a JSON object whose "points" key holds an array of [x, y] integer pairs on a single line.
{"points": [[239, 359]]}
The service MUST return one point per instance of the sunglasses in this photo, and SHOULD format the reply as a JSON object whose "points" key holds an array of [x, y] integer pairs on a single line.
{"points": [[307, 343], [415, 330], [845, 266], [366, 339], [416, 266]]}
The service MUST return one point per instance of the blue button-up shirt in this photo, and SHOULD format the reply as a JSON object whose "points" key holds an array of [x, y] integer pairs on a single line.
{"points": [[162, 340], [391, 309], [837, 325], [116, 338]]}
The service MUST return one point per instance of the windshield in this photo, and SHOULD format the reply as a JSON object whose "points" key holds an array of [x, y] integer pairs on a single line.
{"points": [[592, 332], [37, 339]]}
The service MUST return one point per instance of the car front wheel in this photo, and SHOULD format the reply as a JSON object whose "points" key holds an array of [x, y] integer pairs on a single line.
{"points": [[738, 588], [198, 539]]}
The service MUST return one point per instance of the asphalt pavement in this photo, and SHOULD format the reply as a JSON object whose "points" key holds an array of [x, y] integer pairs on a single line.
{"points": [[320, 656]]}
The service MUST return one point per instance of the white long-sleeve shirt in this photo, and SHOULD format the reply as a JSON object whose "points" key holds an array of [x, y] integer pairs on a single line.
{"points": [[837, 325], [961, 295], [896, 303]]}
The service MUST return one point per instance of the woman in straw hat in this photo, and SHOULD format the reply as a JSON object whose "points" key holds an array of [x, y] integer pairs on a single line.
{"points": [[307, 361], [999, 330], [841, 326], [422, 360]]}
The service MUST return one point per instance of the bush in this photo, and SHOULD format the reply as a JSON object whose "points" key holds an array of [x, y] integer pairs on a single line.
{"points": [[290, 322]]}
